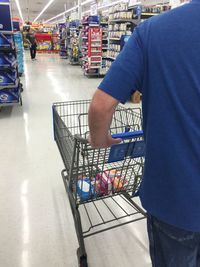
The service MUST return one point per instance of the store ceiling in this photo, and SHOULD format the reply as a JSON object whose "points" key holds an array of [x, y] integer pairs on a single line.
{"points": [[31, 8]]}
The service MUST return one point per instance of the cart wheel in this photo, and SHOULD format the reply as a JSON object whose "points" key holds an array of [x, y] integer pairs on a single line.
{"points": [[82, 259]]}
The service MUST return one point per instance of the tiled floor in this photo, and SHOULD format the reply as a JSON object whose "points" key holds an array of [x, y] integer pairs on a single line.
{"points": [[36, 225]]}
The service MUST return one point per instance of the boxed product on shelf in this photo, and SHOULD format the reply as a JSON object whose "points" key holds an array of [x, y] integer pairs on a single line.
{"points": [[20, 51], [6, 41], [155, 9], [10, 86], [8, 77], [91, 19], [120, 11], [10, 95], [118, 8], [7, 59], [44, 45], [91, 35]]}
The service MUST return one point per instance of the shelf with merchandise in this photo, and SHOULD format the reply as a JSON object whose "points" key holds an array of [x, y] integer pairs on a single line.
{"points": [[150, 11], [10, 86], [91, 45], [122, 21]]}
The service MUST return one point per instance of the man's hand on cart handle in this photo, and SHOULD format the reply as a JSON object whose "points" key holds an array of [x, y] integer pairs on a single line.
{"points": [[104, 143], [101, 112]]}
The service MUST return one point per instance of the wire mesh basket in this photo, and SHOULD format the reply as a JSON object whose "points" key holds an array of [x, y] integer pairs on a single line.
{"points": [[98, 173]]}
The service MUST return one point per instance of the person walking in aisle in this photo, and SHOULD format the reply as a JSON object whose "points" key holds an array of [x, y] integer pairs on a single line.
{"points": [[162, 61], [33, 44]]}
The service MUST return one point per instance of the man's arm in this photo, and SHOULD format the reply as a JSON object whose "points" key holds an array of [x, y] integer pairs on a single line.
{"points": [[101, 111], [123, 78]]}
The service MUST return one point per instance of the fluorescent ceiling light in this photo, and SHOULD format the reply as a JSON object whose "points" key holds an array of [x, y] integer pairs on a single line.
{"points": [[44, 9], [19, 10], [86, 2], [71, 9], [61, 14]]}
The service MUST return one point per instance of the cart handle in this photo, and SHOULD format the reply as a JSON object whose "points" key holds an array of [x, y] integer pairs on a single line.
{"points": [[128, 135], [79, 138]]}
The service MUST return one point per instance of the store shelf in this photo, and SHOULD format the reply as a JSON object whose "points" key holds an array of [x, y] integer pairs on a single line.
{"points": [[91, 74], [93, 46], [150, 14], [94, 67], [7, 49], [95, 40], [10, 86], [95, 56], [104, 48], [90, 24], [84, 37], [10, 104], [112, 58], [95, 62], [104, 23], [7, 32], [135, 21], [13, 65], [115, 39]]}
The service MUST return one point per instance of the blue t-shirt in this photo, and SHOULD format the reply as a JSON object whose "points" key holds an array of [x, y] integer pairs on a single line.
{"points": [[162, 60]]}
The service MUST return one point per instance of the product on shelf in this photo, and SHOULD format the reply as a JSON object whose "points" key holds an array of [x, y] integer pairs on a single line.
{"points": [[104, 26], [122, 21], [120, 11], [45, 41], [91, 35], [10, 87], [155, 9], [20, 51]]}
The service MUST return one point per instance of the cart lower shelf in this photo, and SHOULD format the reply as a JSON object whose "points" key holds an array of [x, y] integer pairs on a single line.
{"points": [[100, 215]]}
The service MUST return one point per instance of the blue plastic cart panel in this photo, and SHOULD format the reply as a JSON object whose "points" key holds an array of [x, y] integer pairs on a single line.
{"points": [[122, 151]]}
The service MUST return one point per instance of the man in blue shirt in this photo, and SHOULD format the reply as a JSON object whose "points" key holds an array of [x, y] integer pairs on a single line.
{"points": [[162, 61]]}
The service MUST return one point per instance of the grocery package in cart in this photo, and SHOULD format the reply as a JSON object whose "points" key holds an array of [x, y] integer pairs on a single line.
{"points": [[100, 183]]}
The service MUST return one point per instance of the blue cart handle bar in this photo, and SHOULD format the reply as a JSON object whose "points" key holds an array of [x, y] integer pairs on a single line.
{"points": [[128, 135]]}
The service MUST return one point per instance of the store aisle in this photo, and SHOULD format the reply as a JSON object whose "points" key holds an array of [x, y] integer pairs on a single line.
{"points": [[36, 226]]}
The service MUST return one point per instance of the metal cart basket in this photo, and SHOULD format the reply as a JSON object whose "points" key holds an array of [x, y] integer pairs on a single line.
{"points": [[100, 183]]}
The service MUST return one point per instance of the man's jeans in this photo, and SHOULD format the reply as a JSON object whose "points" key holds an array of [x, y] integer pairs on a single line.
{"points": [[171, 246]]}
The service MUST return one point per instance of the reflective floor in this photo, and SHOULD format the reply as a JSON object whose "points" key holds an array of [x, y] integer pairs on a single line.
{"points": [[36, 225]]}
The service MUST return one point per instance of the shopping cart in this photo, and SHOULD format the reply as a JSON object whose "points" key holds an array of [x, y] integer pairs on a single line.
{"points": [[100, 183]]}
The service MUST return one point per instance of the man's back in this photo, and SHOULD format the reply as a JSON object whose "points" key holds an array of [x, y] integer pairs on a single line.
{"points": [[162, 60], [171, 97]]}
